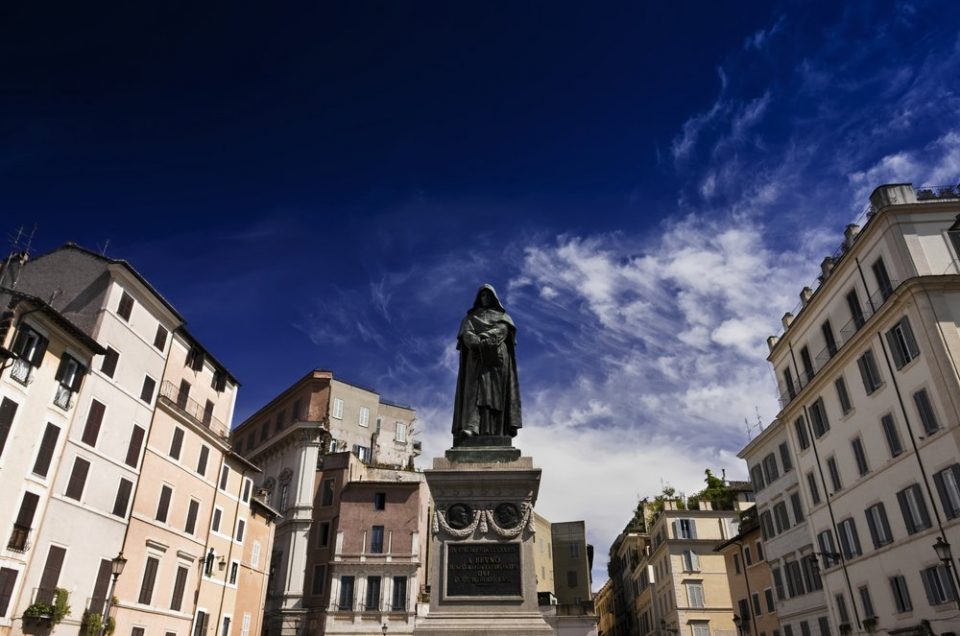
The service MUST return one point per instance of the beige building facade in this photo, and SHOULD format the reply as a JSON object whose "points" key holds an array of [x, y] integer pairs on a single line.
{"points": [[749, 579]]}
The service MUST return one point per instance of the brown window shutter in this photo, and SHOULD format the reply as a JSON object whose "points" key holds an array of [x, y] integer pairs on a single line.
{"points": [[78, 377], [178, 587], [91, 430], [51, 573], [125, 308], [160, 340], [192, 513], [149, 577], [109, 364], [78, 478], [163, 507], [8, 579], [100, 587], [47, 446], [28, 507], [8, 409], [177, 443], [41, 349], [146, 393], [208, 413], [122, 501], [133, 451]]}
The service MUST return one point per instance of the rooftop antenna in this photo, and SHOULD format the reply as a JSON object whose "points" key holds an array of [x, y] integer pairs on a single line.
{"points": [[19, 252], [103, 250]]}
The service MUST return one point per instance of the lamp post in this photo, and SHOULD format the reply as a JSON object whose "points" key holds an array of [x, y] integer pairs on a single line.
{"points": [[942, 548], [384, 629], [116, 569]]}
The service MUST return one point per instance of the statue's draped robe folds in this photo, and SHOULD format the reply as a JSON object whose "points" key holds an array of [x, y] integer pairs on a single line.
{"points": [[488, 393]]}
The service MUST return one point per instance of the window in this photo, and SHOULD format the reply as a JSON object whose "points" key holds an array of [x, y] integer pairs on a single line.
{"points": [[903, 346], [914, 509], [878, 524], [373, 594], [812, 485], [217, 517], [807, 364], [938, 584], [571, 578], [29, 348], [699, 628], [176, 443], [399, 594], [207, 413], [691, 562], [225, 628], [241, 526], [179, 586], [803, 439], [849, 539], [842, 612], [827, 330], [149, 578], [827, 548], [768, 597], [759, 549], [834, 471], [201, 623], [364, 419], [133, 449], [869, 372], [770, 471], [379, 501], [866, 602], [138, 631], [694, 594], [780, 516], [78, 478], [160, 340], [24, 523], [901, 593], [192, 512], [841, 385], [146, 391], [787, 630], [247, 487], [860, 456], [948, 487], [685, 529], [323, 534], [401, 434], [756, 478], [327, 498], [891, 435], [785, 458], [234, 571], [778, 583], [818, 418], [736, 562], [245, 626], [224, 477], [346, 593], [8, 580], [48, 445], [883, 279], [255, 555], [376, 540], [183, 394], [319, 579], [219, 381], [856, 309], [811, 574], [766, 525], [70, 375], [195, 358], [757, 608], [337, 410], [91, 429], [109, 365], [362, 452], [123, 498], [747, 557], [788, 380], [927, 417], [202, 460], [284, 493], [797, 506], [125, 308], [163, 506], [794, 579], [279, 422]]}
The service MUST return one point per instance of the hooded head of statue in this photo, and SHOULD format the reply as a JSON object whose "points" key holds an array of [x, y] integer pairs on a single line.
{"points": [[487, 299]]}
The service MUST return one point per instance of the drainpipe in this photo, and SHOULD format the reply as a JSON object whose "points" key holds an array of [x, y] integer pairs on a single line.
{"points": [[236, 520]]}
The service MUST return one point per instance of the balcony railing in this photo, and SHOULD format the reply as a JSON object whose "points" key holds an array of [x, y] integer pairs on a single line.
{"points": [[843, 336], [19, 538], [62, 397], [928, 193], [184, 404], [20, 370]]}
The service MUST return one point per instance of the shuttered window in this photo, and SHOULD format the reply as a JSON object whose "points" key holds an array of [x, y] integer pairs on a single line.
{"points": [[878, 524], [30, 346], [201, 624], [24, 522], [100, 587], [78, 478], [948, 487], [51, 573], [123, 498], [163, 506], [891, 435], [109, 365], [869, 372], [160, 340], [48, 444], [927, 417], [903, 346], [177, 443], [914, 509], [202, 461], [125, 308], [146, 391], [8, 409], [192, 513], [178, 587], [133, 450], [91, 430], [8, 580], [149, 578]]}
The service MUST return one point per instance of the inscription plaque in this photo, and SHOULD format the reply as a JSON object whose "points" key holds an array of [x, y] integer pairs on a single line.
{"points": [[483, 569]]}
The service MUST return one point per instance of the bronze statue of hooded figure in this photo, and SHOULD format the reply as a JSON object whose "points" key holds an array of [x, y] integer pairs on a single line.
{"points": [[488, 394]]}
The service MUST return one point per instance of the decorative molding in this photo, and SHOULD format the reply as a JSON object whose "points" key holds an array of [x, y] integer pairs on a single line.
{"points": [[485, 520]]}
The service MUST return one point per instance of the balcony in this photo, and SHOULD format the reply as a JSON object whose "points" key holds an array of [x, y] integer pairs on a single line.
{"points": [[846, 333], [19, 538], [183, 404]]}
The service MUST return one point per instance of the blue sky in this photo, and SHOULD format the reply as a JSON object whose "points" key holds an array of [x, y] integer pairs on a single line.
{"points": [[648, 185]]}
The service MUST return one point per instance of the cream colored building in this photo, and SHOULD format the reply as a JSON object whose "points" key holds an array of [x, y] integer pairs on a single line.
{"points": [[543, 555], [749, 579], [871, 403], [44, 359]]}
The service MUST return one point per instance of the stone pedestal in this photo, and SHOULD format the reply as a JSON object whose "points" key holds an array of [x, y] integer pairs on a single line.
{"points": [[482, 574]]}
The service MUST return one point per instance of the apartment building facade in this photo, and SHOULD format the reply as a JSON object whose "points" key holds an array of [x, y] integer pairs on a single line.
{"points": [[44, 359], [870, 398], [750, 579], [788, 545], [293, 439]]}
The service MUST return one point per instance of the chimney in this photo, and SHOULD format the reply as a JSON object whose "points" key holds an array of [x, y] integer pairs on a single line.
{"points": [[826, 266], [787, 320], [805, 295], [772, 342], [850, 234]]}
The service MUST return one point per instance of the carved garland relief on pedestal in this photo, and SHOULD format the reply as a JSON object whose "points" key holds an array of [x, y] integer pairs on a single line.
{"points": [[506, 520]]}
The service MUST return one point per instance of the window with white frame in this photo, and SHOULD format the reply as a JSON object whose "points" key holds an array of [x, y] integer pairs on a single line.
{"points": [[914, 509], [901, 594], [927, 417], [948, 487], [364, 418], [869, 372], [234, 572], [691, 562], [878, 525], [694, 593], [849, 539], [903, 346], [685, 529], [699, 628], [401, 434], [336, 410], [938, 584]]}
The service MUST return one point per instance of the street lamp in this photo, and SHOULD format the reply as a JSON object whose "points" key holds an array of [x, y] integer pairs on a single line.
{"points": [[384, 629], [116, 569], [942, 548]]}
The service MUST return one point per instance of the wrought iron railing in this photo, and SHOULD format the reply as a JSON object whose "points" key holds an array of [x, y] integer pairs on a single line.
{"points": [[19, 538], [182, 402], [928, 193], [62, 397], [20, 370]]}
